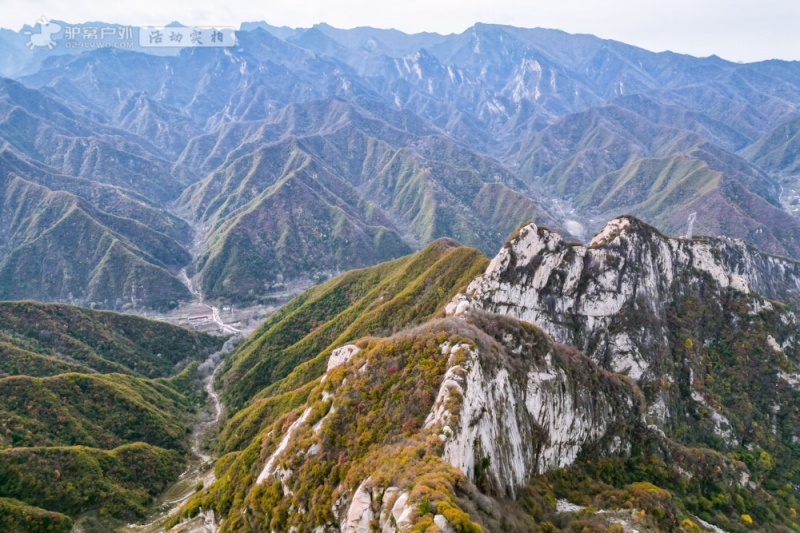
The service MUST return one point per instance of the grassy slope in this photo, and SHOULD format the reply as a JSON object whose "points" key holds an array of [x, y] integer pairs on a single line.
{"points": [[293, 344]]}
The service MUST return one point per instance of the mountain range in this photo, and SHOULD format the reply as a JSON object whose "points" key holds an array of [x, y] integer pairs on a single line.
{"points": [[228, 162], [627, 361]]}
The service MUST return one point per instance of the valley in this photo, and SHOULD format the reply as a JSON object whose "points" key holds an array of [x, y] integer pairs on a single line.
{"points": [[309, 159], [353, 280], [198, 473]]}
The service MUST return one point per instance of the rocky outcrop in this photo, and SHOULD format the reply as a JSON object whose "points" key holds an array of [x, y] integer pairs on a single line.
{"points": [[611, 298], [449, 419], [520, 406], [341, 355], [388, 508], [271, 468]]}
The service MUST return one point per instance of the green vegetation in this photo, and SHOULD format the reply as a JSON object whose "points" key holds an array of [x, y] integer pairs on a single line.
{"points": [[373, 431], [46, 339], [291, 348], [188, 382], [737, 360], [18, 362], [365, 425], [94, 414], [70, 480], [103, 411], [17, 516]]}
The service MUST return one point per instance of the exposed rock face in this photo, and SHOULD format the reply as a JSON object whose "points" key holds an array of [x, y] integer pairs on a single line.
{"points": [[525, 406], [508, 404], [445, 423], [390, 507], [341, 355], [270, 468], [359, 514], [611, 298]]}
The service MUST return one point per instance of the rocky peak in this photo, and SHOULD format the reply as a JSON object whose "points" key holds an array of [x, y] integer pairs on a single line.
{"points": [[611, 298]]}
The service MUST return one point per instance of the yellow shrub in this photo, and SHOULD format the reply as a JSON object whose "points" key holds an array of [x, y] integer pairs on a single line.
{"points": [[690, 527]]}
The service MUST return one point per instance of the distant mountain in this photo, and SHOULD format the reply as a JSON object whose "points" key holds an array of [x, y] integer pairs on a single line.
{"points": [[45, 130], [23, 59], [77, 198], [208, 86], [513, 81], [778, 151], [82, 254], [612, 160], [331, 186], [85, 425], [304, 152]]}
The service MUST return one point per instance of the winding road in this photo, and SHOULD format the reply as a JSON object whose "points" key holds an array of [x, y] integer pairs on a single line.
{"points": [[218, 321], [214, 310]]}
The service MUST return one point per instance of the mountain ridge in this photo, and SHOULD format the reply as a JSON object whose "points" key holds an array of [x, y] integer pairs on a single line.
{"points": [[509, 418], [91, 419], [491, 101]]}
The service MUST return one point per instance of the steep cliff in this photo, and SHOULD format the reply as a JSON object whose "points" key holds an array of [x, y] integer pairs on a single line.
{"points": [[705, 327], [612, 299], [526, 407], [399, 432]]}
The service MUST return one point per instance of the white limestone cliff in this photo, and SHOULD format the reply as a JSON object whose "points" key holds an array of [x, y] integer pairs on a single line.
{"points": [[525, 417], [610, 298]]}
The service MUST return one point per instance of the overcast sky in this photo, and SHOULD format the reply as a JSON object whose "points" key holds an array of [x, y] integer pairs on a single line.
{"points": [[739, 30]]}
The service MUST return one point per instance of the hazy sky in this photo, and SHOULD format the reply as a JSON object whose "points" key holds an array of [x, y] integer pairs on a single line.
{"points": [[739, 30]]}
